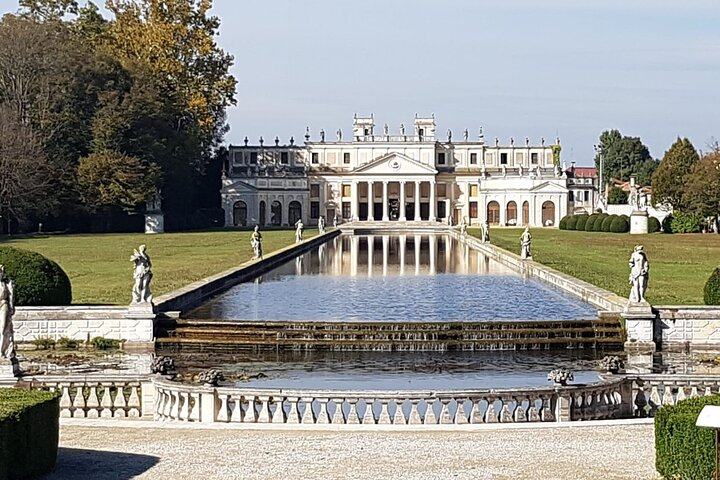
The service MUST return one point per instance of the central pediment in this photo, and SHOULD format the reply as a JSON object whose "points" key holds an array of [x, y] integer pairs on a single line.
{"points": [[395, 164]]}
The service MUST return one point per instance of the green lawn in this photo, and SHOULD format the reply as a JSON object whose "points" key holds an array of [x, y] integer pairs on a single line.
{"points": [[679, 264], [99, 265]]}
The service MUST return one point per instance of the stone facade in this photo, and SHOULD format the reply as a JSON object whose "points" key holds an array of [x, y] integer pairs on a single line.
{"points": [[408, 176]]}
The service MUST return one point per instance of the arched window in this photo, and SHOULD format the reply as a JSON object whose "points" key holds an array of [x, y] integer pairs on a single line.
{"points": [[261, 214], [493, 213], [275, 213], [240, 214], [548, 214], [526, 213], [294, 212], [511, 213]]}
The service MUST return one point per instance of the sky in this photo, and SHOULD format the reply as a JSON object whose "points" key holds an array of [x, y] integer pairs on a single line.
{"points": [[567, 68]]}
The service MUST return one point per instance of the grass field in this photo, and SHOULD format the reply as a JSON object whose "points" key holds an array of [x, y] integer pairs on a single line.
{"points": [[679, 264], [99, 265]]}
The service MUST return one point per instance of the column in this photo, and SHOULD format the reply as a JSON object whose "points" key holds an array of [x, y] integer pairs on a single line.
{"points": [[370, 241], [403, 247], [417, 200], [432, 201], [371, 201], [385, 216], [385, 241], [402, 202], [354, 214], [448, 212]]}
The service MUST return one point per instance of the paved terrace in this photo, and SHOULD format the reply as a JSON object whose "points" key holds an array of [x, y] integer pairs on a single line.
{"points": [[107, 449]]}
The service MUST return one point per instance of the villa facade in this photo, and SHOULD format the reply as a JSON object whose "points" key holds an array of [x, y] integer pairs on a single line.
{"points": [[406, 176]]}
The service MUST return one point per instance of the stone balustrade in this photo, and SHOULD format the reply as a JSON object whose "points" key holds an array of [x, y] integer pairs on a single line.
{"points": [[651, 392]]}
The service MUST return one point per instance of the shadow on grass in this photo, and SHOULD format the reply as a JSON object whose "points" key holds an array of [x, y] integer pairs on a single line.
{"points": [[78, 463]]}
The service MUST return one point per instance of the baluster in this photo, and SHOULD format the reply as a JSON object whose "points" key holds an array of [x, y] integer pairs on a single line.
{"points": [[222, 415], [65, 402], [293, 415], [681, 394], [532, 414], [445, 412], [667, 398], [519, 412], [369, 417], [384, 418], [546, 409], [641, 403], [236, 415], [184, 410], [338, 417], [655, 401], [194, 399], [93, 403], [134, 402], [157, 406], [250, 410], [460, 415], [106, 402], [352, 417], [694, 391], [505, 415], [475, 414], [708, 392], [264, 415], [399, 417], [79, 402], [323, 417], [120, 402], [278, 415], [430, 418], [490, 414], [414, 417], [308, 415]]}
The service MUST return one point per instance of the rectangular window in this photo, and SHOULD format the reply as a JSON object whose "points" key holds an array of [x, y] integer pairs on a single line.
{"points": [[473, 210], [314, 209], [346, 157], [346, 210], [534, 158], [441, 158], [315, 158], [253, 158], [473, 190], [473, 159], [284, 158], [571, 196], [587, 196], [346, 192], [314, 190], [503, 159]]}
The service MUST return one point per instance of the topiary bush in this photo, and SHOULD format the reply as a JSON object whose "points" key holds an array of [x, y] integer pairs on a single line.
{"points": [[563, 222], [597, 226], [711, 292], [581, 221], [607, 222], [38, 280], [572, 222], [590, 222], [620, 225], [667, 224], [682, 450], [653, 225], [29, 432]]}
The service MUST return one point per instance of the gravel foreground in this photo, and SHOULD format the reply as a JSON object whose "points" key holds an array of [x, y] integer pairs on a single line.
{"points": [[147, 452]]}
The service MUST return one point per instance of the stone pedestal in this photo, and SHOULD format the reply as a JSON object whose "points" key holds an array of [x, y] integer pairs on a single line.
{"points": [[639, 222], [9, 371], [144, 325], [154, 223], [640, 327]]}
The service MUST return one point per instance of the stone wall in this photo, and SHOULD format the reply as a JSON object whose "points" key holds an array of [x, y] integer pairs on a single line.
{"points": [[687, 326]]}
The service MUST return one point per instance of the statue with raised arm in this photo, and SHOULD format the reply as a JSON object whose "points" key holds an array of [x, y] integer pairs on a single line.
{"points": [[256, 243], [321, 224], [639, 273], [142, 274], [7, 310], [299, 227], [525, 241]]}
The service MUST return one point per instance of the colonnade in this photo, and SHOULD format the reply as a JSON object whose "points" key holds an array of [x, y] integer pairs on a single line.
{"points": [[385, 200]]}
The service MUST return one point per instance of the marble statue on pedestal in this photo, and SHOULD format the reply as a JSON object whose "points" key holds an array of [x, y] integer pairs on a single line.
{"points": [[7, 310], [525, 241], [485, 232], [463, 227], [321, 224], [256, 243], [142, 274], [299, 227], [639, 273]]}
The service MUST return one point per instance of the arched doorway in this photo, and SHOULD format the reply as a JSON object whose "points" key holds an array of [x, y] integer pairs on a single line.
{"points": [[275, 213], [526, 213], [548, 214], [511, 213], [493, 212], [261, 214], [294, 212], [240, 214]]}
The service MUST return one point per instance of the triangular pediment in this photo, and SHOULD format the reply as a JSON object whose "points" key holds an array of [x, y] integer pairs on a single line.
{"points": [[394, 164], [549, 187], [238, 186]]}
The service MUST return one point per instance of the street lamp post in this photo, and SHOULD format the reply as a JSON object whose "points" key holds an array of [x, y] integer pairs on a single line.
{"points": [[601, 185]]}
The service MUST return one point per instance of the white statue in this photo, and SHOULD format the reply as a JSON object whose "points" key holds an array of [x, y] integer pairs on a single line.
{"points": [[256, 243], [538, 172], [142, 275], [450, 220], [600, 203], [639, 272], [520, 170], [525, 241], [7, 310], [463, 227], [335, 221], [386, 130], [321, 224], [339, 135], [299, 231], [485, 232]]}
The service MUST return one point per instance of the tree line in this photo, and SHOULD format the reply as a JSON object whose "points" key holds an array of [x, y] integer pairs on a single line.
{"points": [[99, 115]]}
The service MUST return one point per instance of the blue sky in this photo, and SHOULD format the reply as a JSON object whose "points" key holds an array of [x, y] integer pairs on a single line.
{"points": [[650, 68]]}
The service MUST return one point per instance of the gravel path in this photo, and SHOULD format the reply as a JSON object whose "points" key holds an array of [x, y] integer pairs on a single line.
{"points": [[148, 452]]}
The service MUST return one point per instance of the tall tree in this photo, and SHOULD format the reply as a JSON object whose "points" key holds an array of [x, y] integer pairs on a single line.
{"points": [[702, 186], [625, 157], [668, 181]]}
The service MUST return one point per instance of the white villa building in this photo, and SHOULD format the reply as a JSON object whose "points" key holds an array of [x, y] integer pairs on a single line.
{"points": [[410, 175]]}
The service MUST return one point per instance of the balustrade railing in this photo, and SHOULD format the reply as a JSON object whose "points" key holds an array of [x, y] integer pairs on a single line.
{"points": [[651, 392]]}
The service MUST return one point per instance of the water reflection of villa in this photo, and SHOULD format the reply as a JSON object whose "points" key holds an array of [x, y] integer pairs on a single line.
{"points": [[408, 176]]}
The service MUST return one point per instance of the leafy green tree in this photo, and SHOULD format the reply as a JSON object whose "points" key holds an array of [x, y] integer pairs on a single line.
{"points": [[702, 186], [668, 181], [48, 9], [625, 157], [617, 196]]}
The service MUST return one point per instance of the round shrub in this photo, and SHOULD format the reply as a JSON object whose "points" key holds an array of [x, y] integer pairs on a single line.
{"points": [[653, 225], [607, 222], [620, 225], [711, 293], [581, 220], [572, 222], [597, 226], [38, 280], [667, 224], [563, 222], [590, 222]]}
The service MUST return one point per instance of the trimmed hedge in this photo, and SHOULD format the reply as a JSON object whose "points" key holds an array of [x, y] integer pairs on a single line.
{"points": [[597, 222], [38, 280], [653, 225], [563, 222], [572, 222], [591, 222], [620, 225], [597, 226], [607, 222], [581, 221], [711, 293], [29, 432], [682, 450]]}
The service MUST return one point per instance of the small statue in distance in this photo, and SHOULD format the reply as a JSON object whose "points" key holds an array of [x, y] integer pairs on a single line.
{"points": [[639, 273], [525, 241], [402, 129], [7, 310], [299, 227], [335, 221], [485, 232], [142, 275], [463, 227], [321, 225], [339, 135], [465, 135], [449, 134], [256, 243]]}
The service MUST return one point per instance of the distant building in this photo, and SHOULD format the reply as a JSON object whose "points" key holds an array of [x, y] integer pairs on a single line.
{"points": [[583, 188], [409, 175]]}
